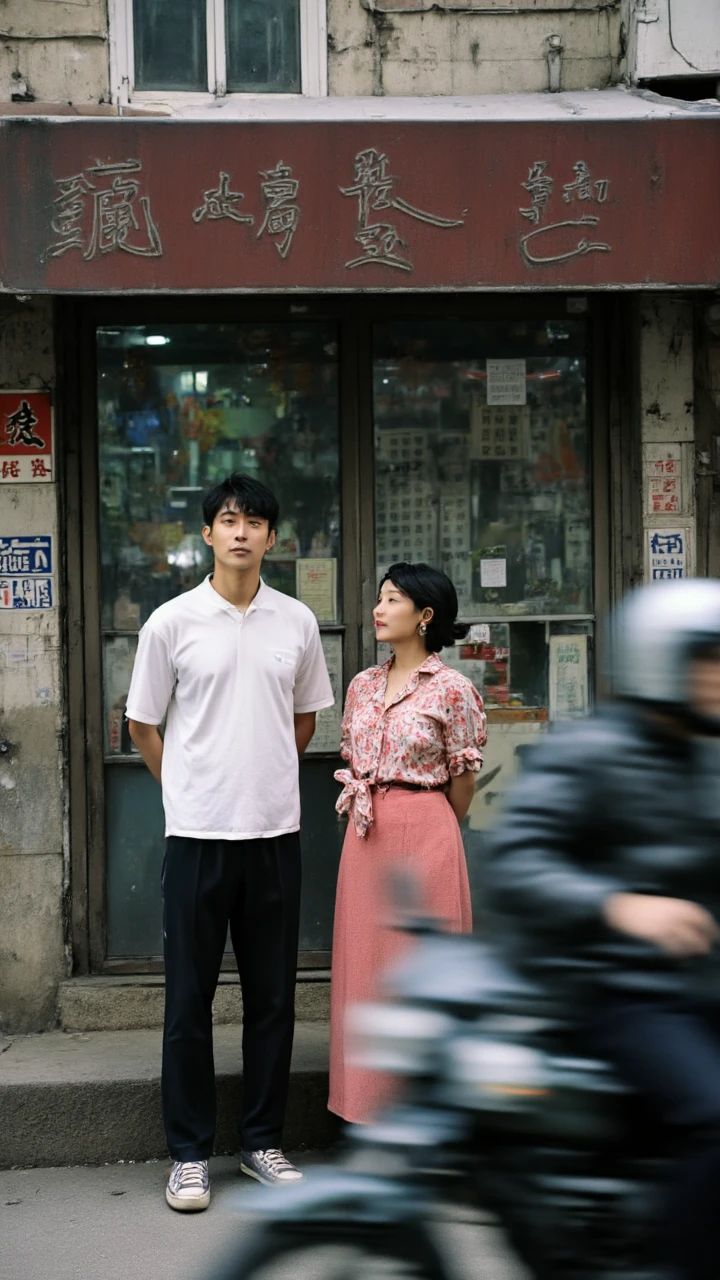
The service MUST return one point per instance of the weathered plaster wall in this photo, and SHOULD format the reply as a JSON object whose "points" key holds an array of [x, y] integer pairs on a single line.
{"points": [[467, 53], [54, 50], [32, 956], [667, 408]]}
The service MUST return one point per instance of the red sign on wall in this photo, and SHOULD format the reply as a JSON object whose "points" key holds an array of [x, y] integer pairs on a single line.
{"points": [[135, 206], [26, 437]]}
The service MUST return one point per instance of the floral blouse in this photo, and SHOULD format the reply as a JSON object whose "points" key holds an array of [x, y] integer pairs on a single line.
{"points": [[432, 731]]}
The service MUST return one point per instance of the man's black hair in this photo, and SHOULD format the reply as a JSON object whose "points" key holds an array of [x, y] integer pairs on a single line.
{"points": [[430, 589], [241, 493]]}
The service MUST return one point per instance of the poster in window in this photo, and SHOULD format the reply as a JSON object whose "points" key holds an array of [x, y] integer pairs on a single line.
{"points": [[506, 381], [326, 739], [568, 677], [316, 586]]}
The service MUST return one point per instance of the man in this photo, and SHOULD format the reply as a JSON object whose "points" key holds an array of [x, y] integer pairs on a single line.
{"points": [[239, 671], [607, 867]]}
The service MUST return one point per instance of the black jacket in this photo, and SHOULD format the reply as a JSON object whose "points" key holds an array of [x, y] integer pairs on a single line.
{"points": [[611, 804]]}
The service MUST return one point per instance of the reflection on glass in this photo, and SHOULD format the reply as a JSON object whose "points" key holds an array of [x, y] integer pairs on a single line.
{"points": [[118, 659], [498, 495], [263, 43], [494, 492], [170, 44], [179, 408]]}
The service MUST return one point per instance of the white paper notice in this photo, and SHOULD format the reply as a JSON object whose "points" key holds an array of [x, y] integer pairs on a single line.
{"points": [[493, 573], [327, 726], [316, 585], [506, 382], [568, 677]]}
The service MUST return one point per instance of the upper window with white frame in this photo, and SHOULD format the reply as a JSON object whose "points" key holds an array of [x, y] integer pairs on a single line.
{"points": [[169, 47]]}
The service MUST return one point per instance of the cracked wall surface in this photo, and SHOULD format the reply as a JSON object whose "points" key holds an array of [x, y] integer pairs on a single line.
{"points": [[32, 781], [54, 50], [416, 54]]}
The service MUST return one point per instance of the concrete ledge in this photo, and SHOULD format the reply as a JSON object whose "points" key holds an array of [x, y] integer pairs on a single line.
{"points": [[106, 1003], [94, 1098]]}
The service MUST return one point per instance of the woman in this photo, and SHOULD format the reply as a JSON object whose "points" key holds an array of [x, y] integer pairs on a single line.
{"points": [[412, 733]]}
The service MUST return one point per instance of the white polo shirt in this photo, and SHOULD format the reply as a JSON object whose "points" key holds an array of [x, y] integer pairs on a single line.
{"points": [[230, 684]]}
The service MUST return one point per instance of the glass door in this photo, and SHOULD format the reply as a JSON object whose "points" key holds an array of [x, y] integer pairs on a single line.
{"points": [[482, 469], [179, 407]]}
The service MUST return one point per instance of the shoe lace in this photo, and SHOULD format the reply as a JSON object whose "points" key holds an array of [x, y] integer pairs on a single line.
{"points": [[275, 1160], [191, 1173]]}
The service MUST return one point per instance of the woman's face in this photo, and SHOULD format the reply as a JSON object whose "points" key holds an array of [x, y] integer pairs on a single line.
{"points": [[396, 616]]}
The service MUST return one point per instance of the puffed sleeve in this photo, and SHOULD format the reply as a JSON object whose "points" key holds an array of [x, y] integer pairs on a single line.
{"points": [[465, 728], [350, 702]]}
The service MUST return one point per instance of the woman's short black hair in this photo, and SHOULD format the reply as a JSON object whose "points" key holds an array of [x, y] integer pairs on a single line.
{"points": [[244, 494], [430, 589]]}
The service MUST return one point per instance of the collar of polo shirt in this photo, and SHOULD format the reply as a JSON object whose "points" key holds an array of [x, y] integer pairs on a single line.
{"points": [[263, 598]]}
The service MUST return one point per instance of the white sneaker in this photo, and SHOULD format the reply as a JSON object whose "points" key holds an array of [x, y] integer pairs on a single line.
{"points": [[269, 1167], [188, 1187]]}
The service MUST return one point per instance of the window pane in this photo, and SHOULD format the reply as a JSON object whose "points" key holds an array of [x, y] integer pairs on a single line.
{"points": [[170, 44], [263, 45], [180, 407], [495, 494]]}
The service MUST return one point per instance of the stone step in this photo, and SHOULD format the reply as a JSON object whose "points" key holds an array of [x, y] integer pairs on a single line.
{"points": [[94, 1097], [135, 1003]]}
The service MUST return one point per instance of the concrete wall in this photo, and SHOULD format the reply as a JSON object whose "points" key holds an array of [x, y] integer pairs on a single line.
{"points": [[667, 414], [54, 50], [32, 790], [452, 52], [58, 51]]}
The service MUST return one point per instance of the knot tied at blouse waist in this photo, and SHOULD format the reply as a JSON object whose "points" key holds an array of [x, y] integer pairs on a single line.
{"points": [[356, 796]]}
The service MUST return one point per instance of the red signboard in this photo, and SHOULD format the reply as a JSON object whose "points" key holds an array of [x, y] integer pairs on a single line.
{"points": [[108, 206], [26, 437]]}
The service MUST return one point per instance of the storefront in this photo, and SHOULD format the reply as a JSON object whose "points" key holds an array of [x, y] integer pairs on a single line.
{"points": [[421, 336]]}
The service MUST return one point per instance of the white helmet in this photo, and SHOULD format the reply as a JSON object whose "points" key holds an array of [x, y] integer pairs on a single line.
{"points": [[657, 631]]}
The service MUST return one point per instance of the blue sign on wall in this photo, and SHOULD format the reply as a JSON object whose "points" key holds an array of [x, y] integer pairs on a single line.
{"points": [[26, 565]]}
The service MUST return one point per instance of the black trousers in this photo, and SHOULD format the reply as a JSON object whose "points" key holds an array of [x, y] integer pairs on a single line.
{"points": [[254, 887], [670, 1052]]}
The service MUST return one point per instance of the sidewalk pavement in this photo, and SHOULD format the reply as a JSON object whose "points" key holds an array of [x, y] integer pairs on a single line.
{"points": [[112, 1223]]}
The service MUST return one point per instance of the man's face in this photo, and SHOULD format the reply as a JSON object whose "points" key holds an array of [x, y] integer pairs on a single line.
{"points": [[239, 539], [704, 686]]}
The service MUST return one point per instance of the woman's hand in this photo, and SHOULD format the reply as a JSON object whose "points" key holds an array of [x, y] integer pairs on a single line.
{"points": [[462, 790], [680, 928]]}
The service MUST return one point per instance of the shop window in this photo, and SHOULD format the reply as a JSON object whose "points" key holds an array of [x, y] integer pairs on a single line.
{"points": [[482, 440], [215, 47], [180, 408]]}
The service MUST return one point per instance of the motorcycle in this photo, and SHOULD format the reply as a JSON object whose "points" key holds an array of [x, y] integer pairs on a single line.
{"points": [[499, 1109]]}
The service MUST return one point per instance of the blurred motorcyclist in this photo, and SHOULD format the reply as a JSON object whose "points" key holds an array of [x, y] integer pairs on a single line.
{"points": [[605, 873]]}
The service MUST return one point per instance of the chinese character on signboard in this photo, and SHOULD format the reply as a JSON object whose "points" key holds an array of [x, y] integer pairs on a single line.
{"points": [[26, 566], [26, 437], [379, 241], [101, 211], [560, 234]]}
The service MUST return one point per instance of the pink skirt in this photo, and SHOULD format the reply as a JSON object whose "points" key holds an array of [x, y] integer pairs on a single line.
{"points": [[417, 832]]}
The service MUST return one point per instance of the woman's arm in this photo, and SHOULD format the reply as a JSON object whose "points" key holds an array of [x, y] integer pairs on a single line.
{"points": [[462, 790]]}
